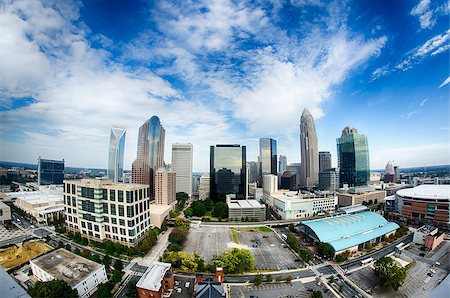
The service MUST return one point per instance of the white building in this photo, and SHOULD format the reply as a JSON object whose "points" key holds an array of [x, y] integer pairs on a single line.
{"points": [[203, 187], [250, 209], [270, 184], [182, 166], [81, 274]]}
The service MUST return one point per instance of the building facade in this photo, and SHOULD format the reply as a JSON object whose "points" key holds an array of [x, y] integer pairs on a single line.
{"points": [[245, 209], [228, 172], [353, 158], [361, 197], [116, 152], [268, 156], [182, 166], [50, 171], [5, 213], [324, 160], [204, 187], [165, 186], [309, 151], [252, 167], [329, 180], [282, 164], [157, 279], [150, 152], [103, 210]]}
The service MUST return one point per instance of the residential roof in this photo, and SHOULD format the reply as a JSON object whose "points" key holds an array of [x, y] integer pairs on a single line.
{"points": [[209, 290], [431, 192], [9, 288], [349, 230], [67, 266], [153, 276]]}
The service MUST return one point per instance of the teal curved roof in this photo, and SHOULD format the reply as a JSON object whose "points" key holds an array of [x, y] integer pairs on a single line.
{"points": [[349, 230]]}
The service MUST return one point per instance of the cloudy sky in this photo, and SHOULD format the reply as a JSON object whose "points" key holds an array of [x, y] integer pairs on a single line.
{"points": [[219, 71]]}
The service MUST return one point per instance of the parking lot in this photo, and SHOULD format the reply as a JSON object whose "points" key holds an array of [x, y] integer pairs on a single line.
{"points": [[365, 278], [295, 289], [207, 241]]}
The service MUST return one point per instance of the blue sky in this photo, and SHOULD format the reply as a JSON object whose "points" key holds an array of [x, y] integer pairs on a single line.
{"points": [[224, 72]]}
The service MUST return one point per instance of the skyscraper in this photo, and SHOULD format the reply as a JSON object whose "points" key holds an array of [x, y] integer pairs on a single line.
{"points": [[268, 155], [150, 152], [50, 171], [309, 151], [165, 186], [282, 164], [116, 151], [252, 171], [228, 171], [182, 166], [353, 158], [324, 161]]}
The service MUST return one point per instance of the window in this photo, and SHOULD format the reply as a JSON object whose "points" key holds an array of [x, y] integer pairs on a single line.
{"points": [[114, 229], [121, 210], [113, 220], [87, 192], [140, 194], [131, 223], [73, 189], [120, 195], [105, 194], [74, 202], [112, 207], [106, 228], [83, 224], [130, 232], [105, 208], [96, 228], [130, 212], [88, 217], [112, 195], [89, 226], [129, 197], [407, 203], [87, 206]]}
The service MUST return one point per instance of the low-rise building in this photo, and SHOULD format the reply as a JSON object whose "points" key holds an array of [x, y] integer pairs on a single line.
{"points": [[80, 273], [158, 213], [360, 195], [156, 280], [428, 236], [9, 287], [249, 209], [5, 213]]}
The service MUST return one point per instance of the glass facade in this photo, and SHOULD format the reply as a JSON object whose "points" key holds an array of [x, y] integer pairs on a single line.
{"points": [[227, 171], [268, 156], [116, 151], [50, 171], [353, 159]]}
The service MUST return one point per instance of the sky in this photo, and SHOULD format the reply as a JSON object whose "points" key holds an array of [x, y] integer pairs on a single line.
{"points": [[220, 71]]}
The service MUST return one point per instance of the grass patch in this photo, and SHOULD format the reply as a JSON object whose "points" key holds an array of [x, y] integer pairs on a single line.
{"points": [[265, 229], [234, 236]]}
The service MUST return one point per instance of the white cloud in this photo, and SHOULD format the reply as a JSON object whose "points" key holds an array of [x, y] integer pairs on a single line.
{"points": [[423, 102], [427, 12], [445, 82]]}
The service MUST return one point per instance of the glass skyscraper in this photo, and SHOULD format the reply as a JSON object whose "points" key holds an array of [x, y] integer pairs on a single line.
{"points": [[353, 158], [227, 171], [268, 157], [116, 152], [50, 171], [308, 150]]}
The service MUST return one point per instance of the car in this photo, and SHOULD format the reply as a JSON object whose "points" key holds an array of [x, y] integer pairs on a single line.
{"points": [[309, 290], [187, 284], [265, 236], [437, 264], [422, 254], [430, 274], [297, 260], [179, 290]]}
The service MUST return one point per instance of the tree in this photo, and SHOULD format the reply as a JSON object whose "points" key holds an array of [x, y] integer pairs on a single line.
{"points": [[317, 294], [375, 201], [235, 261], [188, 212], [96, 258], [164, 225], [52, 289], [289, 278], [343, 256], [390, 273], [104, 290], [179, 222], [269, 278], [106, 261], [198, 208], [221, 210], [178, 236], [60, 244], [292, 227], [209, 204], [68, 247], [325, 250], [258, 279], [77, 251], [131, 290]]}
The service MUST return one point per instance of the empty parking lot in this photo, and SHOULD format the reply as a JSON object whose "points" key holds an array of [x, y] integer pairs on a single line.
{"points": [[207, 241]]}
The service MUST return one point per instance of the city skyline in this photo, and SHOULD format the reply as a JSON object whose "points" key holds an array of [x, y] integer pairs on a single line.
{"points": [[70, 72]]}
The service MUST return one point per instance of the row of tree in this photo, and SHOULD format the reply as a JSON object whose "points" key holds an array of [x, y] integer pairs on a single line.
{"points": [[178, 235], [201, 208], [304, 253]]}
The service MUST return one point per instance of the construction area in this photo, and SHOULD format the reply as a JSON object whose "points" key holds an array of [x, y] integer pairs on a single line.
{"points": [[17, 255]]}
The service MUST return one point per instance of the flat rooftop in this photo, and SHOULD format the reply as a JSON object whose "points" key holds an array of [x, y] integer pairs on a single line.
{"points": [[244, 204], [353, 209], [431, 192], [106, 183], [67, 266], [9, 288], [36, 197], [153, 277]]}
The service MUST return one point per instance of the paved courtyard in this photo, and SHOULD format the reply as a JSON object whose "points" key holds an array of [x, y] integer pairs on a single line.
{"points": [[6, 234]]}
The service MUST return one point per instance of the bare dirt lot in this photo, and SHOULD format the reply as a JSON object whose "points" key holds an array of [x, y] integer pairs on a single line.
{"points": [[14, 256]]}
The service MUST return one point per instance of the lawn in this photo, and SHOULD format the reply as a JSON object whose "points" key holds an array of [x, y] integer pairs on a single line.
{"points": [[234, 236], [264, 229]]}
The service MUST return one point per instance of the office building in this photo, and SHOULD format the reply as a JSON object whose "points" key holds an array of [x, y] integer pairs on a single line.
{"points": [[270, 184], [50, 171], [165, 186], [157, 279], [182, 166], [353, 158], [288, 180], [268, 156], [103, 210], [228, 172], [295, 169], [252, 167], [324, 161], [79, 273], [329, 180], [245, 209], [428, 236], [204, 187], [309, 151], [389, 173], [150, 153], [282, 164], [360, 195], [116, 152]]}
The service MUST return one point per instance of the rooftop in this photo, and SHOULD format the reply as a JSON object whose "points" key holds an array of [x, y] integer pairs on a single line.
{"points": [[294, 197], [426, 192], [67, 266], [209, 290], [106, 183], [239, 204], [349, 230], [9, 288], [353, 209], [35, 197], [153, 277]]}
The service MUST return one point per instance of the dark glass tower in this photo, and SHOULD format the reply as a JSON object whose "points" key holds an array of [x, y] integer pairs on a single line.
{"points": [[228, 171], [268, 157], [353, 158]]}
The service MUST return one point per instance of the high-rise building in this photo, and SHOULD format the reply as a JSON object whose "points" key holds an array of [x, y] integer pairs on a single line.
{"points": [[150, 152], [165, 186], [182, 166], [389, 173], [103, 210], [50, 171], [309, 151], [116, 152], [282, 164], [295, 169], [329, 180], [324, 161], [204, 187], [268, 156], [228, 173], [353, 158], [252, 171]]}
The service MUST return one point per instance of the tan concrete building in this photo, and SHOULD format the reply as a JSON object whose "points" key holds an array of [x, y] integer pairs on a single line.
{"points": [[165, 186], [350, 199], [158, 213], [5, 213], [103, 210]]}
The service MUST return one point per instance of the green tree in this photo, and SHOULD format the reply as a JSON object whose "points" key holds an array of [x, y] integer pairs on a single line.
{"points": [[77, 251], [292, 227], [106, 261], [60, 244], [96, 258], [258, 279], [52, 289], [209, 204], [221, 210], [325, 250], [131, 290], [390, 273], [104, 290], [178, 236], [317, 294], [269, 278], [235, 261], [198, 208], [68, 247], [188, 212], [164, 225]]}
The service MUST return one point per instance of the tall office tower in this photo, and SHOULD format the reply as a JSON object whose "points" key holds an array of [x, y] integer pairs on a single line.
{"points": [[353, 158], [252, 171], [116, 151], [165, 186], [283, 164], [50, 171], [397, 174], [309, 152], [150, 152], [228, 172], [329, 180], [268, 155], [389, 173], [324, 161], [204, 187], [182, 166]]}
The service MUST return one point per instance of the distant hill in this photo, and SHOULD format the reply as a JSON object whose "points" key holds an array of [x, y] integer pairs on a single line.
{"points": [[27, 166]]}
